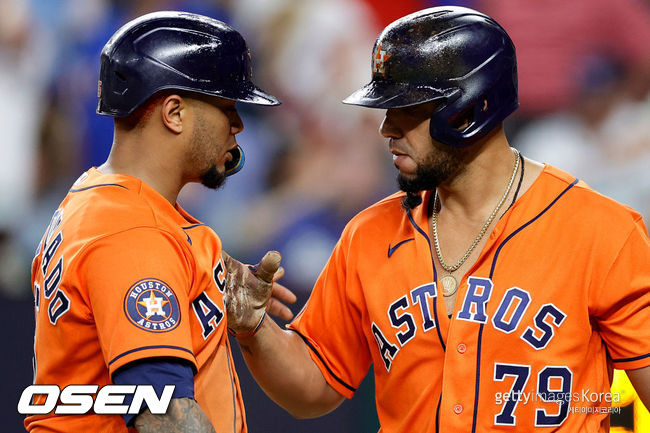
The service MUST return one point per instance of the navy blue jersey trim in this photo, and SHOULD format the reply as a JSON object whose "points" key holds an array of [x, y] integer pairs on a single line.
{"points": [[635, 358], [478, 376], [496, 255], [435, 278], [609, 356], [438, 414], [97, 186], [399, 244], [192, 226], [494, 263], [313, 349], [150, 347]]}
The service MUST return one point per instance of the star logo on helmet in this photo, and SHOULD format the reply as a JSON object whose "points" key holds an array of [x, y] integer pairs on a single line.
{"points": [[378, 60]]}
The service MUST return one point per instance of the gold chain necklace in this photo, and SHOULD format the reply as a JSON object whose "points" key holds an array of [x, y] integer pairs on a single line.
{"points": [[449, 283]]}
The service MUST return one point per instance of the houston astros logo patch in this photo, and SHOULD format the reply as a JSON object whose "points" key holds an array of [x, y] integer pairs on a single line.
{"points": [[151, 305]]}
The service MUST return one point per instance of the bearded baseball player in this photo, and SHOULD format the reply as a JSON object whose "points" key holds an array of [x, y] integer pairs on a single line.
{"points": [[129, 288], [493, 293]]}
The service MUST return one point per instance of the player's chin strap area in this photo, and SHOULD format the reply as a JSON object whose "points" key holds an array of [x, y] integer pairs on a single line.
{"points": [[237, 162]]}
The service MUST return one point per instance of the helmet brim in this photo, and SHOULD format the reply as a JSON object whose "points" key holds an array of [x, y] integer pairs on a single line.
{"points": [[249, 94], [391, 94]]}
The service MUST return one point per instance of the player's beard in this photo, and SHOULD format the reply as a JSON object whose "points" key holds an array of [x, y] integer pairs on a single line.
{"points": [[212, 177], [438, 166], [203, 149]]}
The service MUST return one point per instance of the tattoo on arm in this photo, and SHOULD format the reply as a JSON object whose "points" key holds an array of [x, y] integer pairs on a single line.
{"points": [[245, 348], [183, 416]]}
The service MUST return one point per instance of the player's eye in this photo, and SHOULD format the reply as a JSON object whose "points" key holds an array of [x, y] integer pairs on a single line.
{"points": [[420, 111]]}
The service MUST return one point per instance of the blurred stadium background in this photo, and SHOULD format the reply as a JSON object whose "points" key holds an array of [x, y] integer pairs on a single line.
{"points": [[313, 162]]}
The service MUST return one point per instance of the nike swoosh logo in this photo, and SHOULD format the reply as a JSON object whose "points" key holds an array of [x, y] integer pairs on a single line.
{"points": [[392, 250]]}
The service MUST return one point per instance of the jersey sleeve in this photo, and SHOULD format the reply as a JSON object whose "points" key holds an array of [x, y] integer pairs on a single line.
{"points": [[622, 305], [331, 323], [137, 284]]}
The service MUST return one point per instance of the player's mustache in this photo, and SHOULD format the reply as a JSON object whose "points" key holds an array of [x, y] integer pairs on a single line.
{"points": [[395, 147]]}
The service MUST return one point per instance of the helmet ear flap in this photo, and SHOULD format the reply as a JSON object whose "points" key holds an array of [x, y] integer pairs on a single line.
{"points": [[464, 119], [487, 97]]}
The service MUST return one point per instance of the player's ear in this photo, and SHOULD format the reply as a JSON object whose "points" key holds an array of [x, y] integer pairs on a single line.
{"points": [[173, 111]]}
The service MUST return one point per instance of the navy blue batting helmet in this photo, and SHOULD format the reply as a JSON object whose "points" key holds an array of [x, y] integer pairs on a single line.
{"points": [[452, 54], [176, 50]]}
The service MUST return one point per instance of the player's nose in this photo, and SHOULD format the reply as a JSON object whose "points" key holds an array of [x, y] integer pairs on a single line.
{"points": [[236, 124], [389, 128]]}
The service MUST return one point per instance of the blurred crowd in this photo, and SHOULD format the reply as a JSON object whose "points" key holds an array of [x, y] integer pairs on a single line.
{"points": [[312, 163]]}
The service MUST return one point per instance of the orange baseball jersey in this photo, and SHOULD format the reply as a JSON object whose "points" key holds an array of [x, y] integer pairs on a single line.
{"points": [[122, 275], [559, 294]]}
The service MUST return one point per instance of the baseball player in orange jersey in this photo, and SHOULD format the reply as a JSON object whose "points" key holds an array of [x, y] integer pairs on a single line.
{"points": [[129, 288], [494, 293]]}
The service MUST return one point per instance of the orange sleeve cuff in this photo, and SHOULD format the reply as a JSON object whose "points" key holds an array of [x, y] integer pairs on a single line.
{"points": [[632, 363], [332, 379], [157, 351]]}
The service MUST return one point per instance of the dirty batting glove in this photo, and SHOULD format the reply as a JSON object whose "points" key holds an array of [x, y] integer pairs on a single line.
{"points": [[248, 289]]}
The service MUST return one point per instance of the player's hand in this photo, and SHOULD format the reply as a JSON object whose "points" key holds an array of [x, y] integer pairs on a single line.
{"points": [[280, 296], [252, 290]]}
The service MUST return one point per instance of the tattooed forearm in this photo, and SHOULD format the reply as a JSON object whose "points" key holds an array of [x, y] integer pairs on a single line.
{"points": [[183, 416]]}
